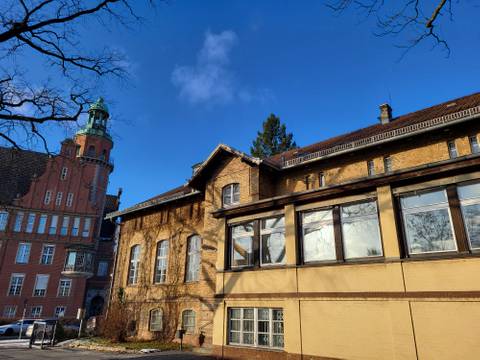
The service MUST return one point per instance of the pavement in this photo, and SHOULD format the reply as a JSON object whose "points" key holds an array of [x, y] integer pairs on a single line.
{"points": [[75, 354]]}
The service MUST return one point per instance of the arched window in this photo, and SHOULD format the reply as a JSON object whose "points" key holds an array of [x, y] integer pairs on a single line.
{"points": [[156, 320], [91, 151], [231, 194], [188, 321], [133, 265], [161, 262], [194, 244]]}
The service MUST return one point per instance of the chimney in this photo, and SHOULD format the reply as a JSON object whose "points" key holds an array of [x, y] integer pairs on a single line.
{"points": [[385, 113]]}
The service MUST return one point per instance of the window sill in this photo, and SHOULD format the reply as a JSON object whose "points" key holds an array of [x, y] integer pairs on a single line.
{"points": [[255, 348]]}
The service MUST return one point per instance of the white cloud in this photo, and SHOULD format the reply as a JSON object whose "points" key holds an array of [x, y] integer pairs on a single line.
{"points": [[210, 79]]}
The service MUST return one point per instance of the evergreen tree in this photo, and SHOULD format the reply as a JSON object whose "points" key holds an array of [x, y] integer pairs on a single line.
{"points": [[274, 139]]}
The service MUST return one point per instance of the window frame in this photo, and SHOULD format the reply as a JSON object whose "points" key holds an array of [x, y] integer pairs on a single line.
{"points": [[47, 256], [59, 198], [48, 197], [452, 149], [69, 201], [61, 289], [29, 246], [76, 226], [468, 202], [9, 314], [87, 225], [36, 316], [197, 253], [30, 222], [182, 323], [161, 278], [3, 220], [150, 322], [103, 267], [65, 225], [37, 292], [64, 173], [18, 224], [133, 264], [255, 331], [387, 164], [53, 226], [231, 189], [474, 144], [370, 167], [16, 275], [55, 311], [42, 223]]}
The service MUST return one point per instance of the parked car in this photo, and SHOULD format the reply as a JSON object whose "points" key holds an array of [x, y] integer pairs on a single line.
{"points": [[14, 328]]}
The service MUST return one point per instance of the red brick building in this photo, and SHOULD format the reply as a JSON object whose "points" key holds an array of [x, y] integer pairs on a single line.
{"points": [[55, 257]]}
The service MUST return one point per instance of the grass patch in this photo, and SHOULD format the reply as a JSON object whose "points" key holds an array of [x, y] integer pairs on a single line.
{"points": [[140, 344]]}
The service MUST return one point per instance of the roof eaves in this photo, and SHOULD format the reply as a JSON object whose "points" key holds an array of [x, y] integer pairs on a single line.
{"points": [[149, 204]]}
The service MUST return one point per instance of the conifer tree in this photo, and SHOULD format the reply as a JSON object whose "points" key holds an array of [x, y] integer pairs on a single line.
{"points": [[273, 139]]}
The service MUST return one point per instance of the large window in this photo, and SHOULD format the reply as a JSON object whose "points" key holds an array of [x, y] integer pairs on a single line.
{"points": [[427, 222], [64, 228], [36, 312], [318, 236], [161, 262], [16, 284], [272, 247], [360, 230], [9, 311], [194, 244], [3, 220], [188, 321], [262, 327], [60, 311], [23, 253], [156, 320], [469, 196], [47, 254], [41, 283], [86, 227], [76, 226], [231, 194], [267, 235], [134, 264]]}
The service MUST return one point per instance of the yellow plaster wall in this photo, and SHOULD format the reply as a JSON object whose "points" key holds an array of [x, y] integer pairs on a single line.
{"points": [[373, 330], [447, 330], [267, 281], [351, 278], [443, 275]]}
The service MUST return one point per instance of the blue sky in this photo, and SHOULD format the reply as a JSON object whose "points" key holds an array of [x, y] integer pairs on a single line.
{"points": [[209, 72]]}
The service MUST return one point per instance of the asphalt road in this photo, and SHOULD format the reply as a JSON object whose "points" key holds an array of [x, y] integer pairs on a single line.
{"points": [[36, 354]]}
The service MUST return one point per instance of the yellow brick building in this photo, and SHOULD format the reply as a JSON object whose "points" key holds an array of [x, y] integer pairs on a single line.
{"points": [[363, 246]]}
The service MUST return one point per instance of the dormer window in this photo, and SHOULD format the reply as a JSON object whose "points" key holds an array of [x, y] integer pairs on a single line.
{"points": [[231, 194]]}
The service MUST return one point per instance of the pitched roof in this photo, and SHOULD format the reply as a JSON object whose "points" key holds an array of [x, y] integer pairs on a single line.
{"points": [[445, 108], [17, 168], [166, 197]]}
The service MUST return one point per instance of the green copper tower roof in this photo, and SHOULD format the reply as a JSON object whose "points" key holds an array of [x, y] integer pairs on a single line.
{"points": [[97, 120]]}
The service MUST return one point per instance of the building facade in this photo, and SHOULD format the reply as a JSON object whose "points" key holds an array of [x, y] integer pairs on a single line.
{"points": [[52, 251], [363, 246]]}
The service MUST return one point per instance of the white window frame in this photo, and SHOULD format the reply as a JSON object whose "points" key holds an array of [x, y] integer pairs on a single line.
{"points": [[255, 330], [87, 224], [370, 168], [158, 324], [64, 173], [36, 307], [37, 291], [133, 265], [452, 149], [47, 258], [388, 164], [17, 227], [52, 229], [426, 208], [193, 315], [30, 222], [42, 224], [76, 226], [65, 226], [25, 256], [48, 197], [69, 201], [58, 198], [17, 286], [9, 311], [234, 191], [161, 262], [3, 220], [474, 145], [64, 290], [60, 309], [194, 258]]}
